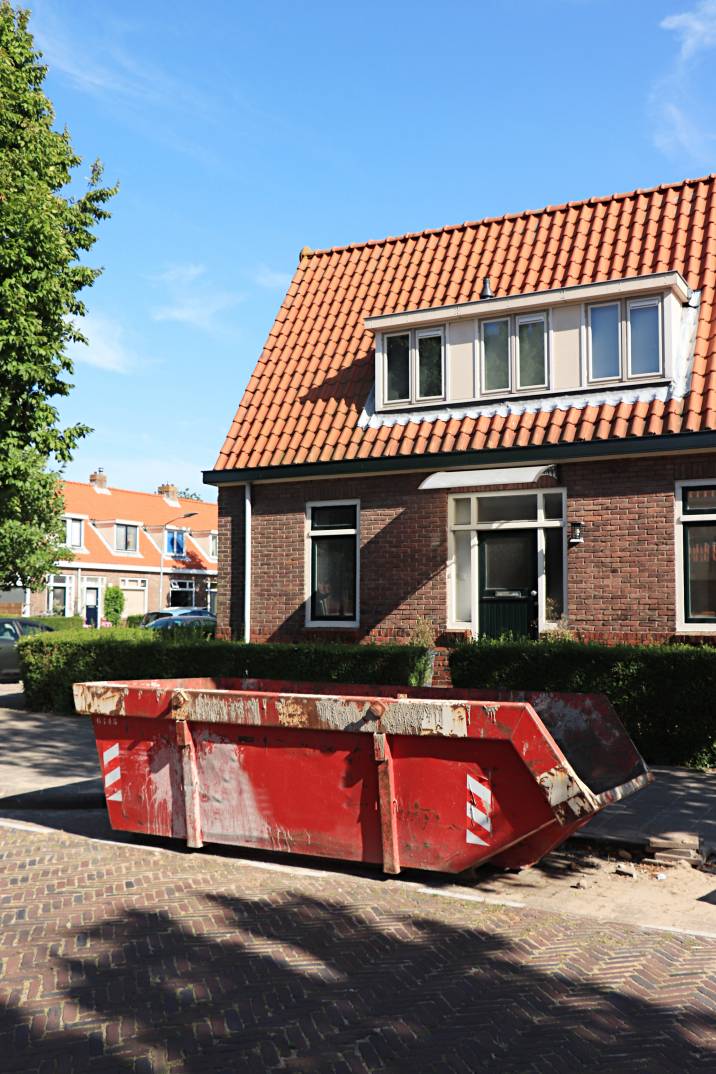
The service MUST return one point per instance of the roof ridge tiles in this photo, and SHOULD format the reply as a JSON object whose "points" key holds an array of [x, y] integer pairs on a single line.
{"points": [[504, 217]]}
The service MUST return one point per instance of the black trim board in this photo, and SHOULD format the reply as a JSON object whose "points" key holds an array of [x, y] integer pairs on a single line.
{"points": [[600, 449]]}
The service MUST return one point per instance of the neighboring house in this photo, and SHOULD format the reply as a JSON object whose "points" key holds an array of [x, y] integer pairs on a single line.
{"points": [[142, 542], [501, 425]]}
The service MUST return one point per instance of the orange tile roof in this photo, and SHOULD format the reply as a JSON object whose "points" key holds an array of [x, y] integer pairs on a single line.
{"points": [[146, 509], [306, 394]]}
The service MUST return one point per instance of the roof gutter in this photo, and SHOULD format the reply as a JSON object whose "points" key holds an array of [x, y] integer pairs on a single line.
{"points": [[545, 453]]}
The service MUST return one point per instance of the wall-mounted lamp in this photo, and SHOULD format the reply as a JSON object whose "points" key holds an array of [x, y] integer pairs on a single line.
{"points": [[575, 536]]}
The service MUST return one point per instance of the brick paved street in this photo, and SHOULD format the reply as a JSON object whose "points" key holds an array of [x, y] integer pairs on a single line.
{"points": [[123, 958]]}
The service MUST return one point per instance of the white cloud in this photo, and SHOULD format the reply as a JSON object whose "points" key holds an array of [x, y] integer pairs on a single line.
{"points": [[269, 278], [106, 347], [192, 299], [696, 28], [679, 117]]}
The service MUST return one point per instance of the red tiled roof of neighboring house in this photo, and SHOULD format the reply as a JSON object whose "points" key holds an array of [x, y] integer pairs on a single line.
{"points": [[152, 510], [306, 394]]}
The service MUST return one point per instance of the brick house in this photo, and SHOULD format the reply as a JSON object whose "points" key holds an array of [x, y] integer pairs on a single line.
{"points": [[508, 424], [159, 548]]}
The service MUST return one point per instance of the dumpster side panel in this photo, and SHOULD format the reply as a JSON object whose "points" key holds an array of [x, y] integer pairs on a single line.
{"points": [[460, 801], [308, 792], [141, 767]]}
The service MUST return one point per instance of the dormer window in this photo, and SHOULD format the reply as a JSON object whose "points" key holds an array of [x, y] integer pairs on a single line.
{"points": [[514, 354], [594, 338], [625, 340], [414, 363], [74, 532]]}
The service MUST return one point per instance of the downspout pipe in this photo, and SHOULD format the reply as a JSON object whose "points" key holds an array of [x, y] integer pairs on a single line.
{"points": [[247, 561]]}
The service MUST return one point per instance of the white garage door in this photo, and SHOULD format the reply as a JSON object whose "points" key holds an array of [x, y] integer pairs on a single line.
{"points": [[133, 602]]}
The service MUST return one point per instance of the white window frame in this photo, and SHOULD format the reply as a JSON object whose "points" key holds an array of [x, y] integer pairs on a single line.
{"points": [[338, 624], [126, 526], [641, 303], [212, 586], [408, 398], [413, 397], [484, 392], [174, 530], [681, 519], [531, 318], [71, 520], [620, 348], [183, 585], [136, 584], [214, 544], [624, 308], [540, 524], [429, 333], [67, 584]]}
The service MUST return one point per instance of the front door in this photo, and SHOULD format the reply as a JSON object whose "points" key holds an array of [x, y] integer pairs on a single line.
{"points": [[92, 606], [508, 582]]}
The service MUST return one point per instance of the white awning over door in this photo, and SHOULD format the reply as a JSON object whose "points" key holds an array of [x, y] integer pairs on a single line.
{"points": [[501, 475]]}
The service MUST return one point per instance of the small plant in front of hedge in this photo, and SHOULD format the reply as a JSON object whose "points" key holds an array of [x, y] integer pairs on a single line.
{"points": [[133, 620], [113, 604], [664, 694], [51, 664]]}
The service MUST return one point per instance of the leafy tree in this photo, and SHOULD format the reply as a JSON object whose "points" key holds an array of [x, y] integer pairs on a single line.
{"points": [[113, 604], [44, 232], [188, 494]]}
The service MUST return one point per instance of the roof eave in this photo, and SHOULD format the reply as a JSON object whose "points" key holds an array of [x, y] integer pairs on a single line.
{"points": [[590, 450]]}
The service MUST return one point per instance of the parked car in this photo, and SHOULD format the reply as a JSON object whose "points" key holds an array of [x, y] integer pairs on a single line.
{"points": [[11, 630], [206, 623], [173, 613]]}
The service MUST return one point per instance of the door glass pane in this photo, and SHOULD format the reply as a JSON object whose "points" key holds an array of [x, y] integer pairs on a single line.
{"points": [[554, 573], [553, 507], [463, 578], [701, 571], [462, 512], [531, 340], [509, 561], [506, 508], [430, 366], [604, 321], [333, 585], [398, 363], [58, 601], [496, 339], [334, 517], [700, 499], [644, 339]]}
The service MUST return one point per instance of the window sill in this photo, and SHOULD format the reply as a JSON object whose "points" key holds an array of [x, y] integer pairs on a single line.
{"points": [[343, 624]]}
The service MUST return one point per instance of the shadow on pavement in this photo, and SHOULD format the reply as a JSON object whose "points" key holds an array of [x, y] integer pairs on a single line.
{"points": [[300, 983]]}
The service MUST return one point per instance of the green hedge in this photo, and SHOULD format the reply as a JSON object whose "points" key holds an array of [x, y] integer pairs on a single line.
{"points": [[664, 694], [56, 622], [51, 663], [133, 620]]}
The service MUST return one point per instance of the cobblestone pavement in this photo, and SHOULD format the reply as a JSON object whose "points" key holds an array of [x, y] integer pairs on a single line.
{"points": [[124, 958]]}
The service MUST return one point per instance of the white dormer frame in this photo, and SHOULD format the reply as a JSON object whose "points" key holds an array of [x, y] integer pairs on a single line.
{"points": [[669, 288]]}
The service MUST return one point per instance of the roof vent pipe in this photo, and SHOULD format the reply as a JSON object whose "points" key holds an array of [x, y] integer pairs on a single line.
{"points": [[486, 291]]}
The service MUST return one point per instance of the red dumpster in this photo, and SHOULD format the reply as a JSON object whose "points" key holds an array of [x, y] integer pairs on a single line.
{"points": [[440, 779]]}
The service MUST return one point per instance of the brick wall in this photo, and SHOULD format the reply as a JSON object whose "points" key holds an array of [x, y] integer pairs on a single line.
{"points": [[621, 581], [403, 557]]}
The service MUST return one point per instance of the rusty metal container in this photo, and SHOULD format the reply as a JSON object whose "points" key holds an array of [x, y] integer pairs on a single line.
{"points": [[430, 778]]}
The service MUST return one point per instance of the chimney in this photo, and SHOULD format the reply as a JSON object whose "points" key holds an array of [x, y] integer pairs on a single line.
{"points": [[98, 478], [170, 491]]}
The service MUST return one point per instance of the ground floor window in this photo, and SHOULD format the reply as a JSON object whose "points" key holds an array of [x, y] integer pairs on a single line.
{"points": [[135, 596], [59, 594], [696, 521], [507, 561], [211, 597], [181, 593], [332, 562]]}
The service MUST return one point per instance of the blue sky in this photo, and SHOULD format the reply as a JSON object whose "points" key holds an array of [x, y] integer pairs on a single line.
{"points": [[242, 131]]}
